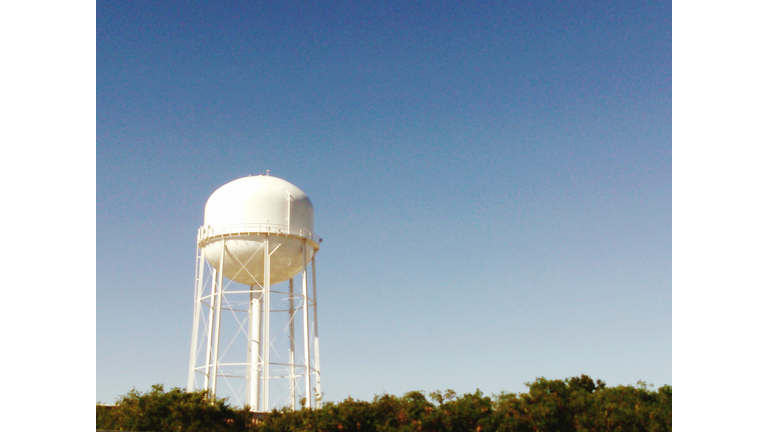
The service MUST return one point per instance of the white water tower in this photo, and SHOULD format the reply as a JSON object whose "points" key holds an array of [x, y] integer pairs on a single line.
{"points": [[258, 232]]}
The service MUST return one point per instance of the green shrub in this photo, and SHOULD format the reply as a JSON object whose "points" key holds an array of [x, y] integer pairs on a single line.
{"points": [[577, 404], [175, 410]]}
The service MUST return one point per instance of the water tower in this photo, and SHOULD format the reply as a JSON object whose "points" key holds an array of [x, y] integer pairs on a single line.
{"points": [[257, 234]]}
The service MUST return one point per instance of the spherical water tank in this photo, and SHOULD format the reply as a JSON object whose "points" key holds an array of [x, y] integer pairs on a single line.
{"points": [[244, 213]]}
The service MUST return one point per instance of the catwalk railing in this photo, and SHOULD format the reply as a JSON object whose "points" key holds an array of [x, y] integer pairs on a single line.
{"points": [[205, 233]]}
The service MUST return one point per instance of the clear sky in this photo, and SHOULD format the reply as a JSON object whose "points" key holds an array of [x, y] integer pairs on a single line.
{"points": [[492, 183]]}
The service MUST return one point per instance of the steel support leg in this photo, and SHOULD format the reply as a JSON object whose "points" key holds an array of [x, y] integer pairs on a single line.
{"points": [[292, 350], [318, 392], [267, 310], [217, 325], [209, 344], [200, 266], [307, 374]]}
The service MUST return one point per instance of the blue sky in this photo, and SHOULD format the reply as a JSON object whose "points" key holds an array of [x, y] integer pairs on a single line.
{"points": [[492, 183]]}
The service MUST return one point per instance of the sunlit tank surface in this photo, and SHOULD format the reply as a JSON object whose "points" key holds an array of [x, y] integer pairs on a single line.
{"points": [[245, 212]]}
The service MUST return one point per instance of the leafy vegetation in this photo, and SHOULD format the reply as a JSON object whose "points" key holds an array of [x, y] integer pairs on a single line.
{"points": [[176, 410], [577, 404]]}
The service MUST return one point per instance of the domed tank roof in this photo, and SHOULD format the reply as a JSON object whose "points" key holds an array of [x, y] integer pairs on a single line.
{"points": [[246, 214], [261, 203]]}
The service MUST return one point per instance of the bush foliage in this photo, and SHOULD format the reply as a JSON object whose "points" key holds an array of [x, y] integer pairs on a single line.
{"points": [[176, 410], [577, 404]]}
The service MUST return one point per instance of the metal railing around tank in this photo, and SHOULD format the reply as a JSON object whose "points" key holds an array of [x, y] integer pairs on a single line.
{"points": [[208, 232]]}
